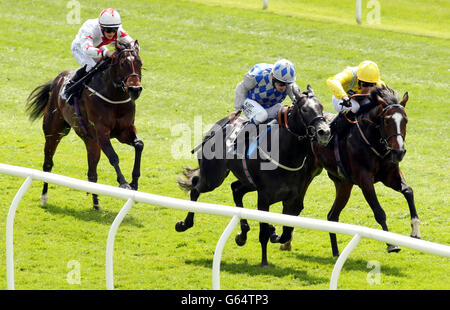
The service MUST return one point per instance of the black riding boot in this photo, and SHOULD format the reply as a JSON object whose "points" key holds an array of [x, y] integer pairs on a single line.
{"points": [[72, 87]]}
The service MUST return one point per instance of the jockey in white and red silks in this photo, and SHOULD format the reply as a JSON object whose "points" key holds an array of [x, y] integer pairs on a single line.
{"points": [[90, 43]]}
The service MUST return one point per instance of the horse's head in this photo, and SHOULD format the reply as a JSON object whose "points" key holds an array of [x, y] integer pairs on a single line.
{"points": [[310, 114], [127, 68], [391, 118]]}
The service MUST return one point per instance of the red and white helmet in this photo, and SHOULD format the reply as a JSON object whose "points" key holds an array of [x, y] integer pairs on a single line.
{"points": [[109, 18]]}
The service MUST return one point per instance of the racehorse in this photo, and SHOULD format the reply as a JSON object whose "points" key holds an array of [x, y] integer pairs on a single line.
{"points": [[370, 152], [287, 182], [104, 110]]}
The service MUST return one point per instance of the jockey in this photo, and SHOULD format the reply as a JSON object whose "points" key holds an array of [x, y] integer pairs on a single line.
{"points": [[263, 89], [353, 80], [89, 45]]}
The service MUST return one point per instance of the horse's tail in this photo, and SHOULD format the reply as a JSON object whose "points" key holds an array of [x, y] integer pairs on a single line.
{"points": [[191, 179], [38, 100]]}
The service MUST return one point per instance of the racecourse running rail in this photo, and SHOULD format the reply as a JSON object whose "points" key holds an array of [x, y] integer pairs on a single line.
{"points": [[236, 214]]}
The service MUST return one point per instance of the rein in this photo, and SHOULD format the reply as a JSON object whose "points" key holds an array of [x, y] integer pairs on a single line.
{"points": [[96, 93]]}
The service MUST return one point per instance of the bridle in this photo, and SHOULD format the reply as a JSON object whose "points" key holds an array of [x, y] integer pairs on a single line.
{"points": [[122, 83], [309, 125], [384, 139]]}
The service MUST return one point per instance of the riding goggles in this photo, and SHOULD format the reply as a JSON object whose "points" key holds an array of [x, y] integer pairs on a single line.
{"points": [[367, 84], [110, 29]]}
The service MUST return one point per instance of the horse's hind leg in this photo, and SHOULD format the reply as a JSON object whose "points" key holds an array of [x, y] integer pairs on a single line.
{"points": [[209, 176], [343, 191], [239, 190], [55, 128], [189, 220], [93, 151]]}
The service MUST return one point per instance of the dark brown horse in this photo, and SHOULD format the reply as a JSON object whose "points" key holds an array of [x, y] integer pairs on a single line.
{"points": [[104, 110], [370, 152]]}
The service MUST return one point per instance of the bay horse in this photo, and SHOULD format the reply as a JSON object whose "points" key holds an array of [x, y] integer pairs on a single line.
{"points": [[104, 110], [369, 152], [303, 121]]}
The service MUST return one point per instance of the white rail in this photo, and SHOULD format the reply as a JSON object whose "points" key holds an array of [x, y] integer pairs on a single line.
{"points": [[235, 213]]}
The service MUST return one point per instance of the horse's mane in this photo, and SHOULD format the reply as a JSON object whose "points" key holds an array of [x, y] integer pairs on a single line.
{"points": [[387, 94], [123, 45]]}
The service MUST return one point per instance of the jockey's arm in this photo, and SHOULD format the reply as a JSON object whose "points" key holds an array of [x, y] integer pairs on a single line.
{"points": [[336, 83], [242, 90], [87, 46]]}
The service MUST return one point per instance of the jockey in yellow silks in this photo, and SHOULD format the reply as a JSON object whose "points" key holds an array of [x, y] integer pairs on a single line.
{"points": [[353, 80]]}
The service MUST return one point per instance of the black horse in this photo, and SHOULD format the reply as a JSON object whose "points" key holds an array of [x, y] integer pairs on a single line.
{"points": [[286, 182], [369, 152], [104, 110]]}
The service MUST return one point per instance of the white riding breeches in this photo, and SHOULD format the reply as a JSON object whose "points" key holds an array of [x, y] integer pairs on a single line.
{"points": [[254, 111], [82, 58], [338, 107]]}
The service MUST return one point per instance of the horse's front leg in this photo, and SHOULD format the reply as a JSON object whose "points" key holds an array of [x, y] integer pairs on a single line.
{"points": [[265, 230], [129, 137], [138, 147], [397, 182], [293, 207], [103, 137], [239, 190], [366, 183]]}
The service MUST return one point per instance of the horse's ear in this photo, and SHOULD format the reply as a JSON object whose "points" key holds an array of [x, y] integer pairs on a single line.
{"points": [[310, 90], [136, 46], [405, 99]]}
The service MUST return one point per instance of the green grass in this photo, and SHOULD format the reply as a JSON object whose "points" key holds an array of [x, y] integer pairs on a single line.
{"points": [[195, 52]]}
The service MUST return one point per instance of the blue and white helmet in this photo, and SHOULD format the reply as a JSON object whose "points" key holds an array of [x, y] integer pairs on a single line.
{"points": [[284, 71]]}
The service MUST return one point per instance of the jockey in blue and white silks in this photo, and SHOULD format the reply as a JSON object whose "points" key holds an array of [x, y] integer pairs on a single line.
{"points": [[263, 89]]}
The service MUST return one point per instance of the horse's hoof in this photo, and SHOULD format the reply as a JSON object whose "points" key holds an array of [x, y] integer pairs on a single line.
{"points": [[417, 237], [44, 199], [393, 248], [125, 186], [264, 264], [274, 238], [286, 246], [134, 186], [240, 239], [97, 207], [181, 226]]}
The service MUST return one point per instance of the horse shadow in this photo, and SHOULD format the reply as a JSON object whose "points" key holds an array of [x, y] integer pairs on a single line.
{"points": [[255, 270], [350, 264], [102, 216]]}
